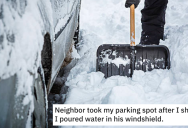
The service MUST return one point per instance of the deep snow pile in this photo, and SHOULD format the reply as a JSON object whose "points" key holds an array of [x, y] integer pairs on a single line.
{"points": [[108, 22]]}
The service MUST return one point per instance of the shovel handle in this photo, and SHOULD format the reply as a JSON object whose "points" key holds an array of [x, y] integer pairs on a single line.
{"points": [[132, 25]]}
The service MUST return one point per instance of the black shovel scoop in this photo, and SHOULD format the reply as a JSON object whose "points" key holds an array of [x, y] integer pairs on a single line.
{"points": [[118, 59]]}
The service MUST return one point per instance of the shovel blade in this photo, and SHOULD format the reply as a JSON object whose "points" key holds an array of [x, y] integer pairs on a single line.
{"points": [[116, 59]]}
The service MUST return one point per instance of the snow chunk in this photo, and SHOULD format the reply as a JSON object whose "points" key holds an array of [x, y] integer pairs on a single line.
{"points": [[127, 95]]}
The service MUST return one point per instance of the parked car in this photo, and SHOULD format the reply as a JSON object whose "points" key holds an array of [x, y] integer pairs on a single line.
{"points": [[35, 37]]}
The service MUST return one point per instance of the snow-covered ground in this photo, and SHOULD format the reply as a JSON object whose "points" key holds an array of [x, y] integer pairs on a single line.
{"points": [[107, 22]]}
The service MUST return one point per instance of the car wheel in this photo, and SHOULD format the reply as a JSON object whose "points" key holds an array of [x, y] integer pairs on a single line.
{"points": [[40, 102]]}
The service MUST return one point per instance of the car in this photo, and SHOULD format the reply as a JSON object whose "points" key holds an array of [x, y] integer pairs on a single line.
{"points": [[35, 37]]}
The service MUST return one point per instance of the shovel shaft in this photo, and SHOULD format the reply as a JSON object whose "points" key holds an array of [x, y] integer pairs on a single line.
{"points": [[132, 37], [132, 25]]}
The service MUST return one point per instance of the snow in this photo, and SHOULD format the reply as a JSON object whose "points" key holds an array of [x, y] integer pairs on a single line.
{"points": [[117, 60], [107, 22], [63, 11]]}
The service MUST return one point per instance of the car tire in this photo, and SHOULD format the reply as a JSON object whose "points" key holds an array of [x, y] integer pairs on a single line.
{"points": [[40, 114]]}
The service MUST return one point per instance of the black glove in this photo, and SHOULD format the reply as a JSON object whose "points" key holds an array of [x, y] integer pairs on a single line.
{"points": [[128, 3]]}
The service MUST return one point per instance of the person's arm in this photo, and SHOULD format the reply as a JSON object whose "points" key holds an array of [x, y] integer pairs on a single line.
{"points": [[128, 3]]}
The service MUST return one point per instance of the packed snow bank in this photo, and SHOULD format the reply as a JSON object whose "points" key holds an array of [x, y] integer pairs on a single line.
{"points": [[151, 87], [108, 22]]}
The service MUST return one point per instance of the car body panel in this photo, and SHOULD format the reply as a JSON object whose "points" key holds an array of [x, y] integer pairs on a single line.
{"points": [[13, 113], [62, 42], [20, 53], [7, 94]]}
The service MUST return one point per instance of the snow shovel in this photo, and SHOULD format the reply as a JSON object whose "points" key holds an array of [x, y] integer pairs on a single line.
{"points": [[123, 59]]}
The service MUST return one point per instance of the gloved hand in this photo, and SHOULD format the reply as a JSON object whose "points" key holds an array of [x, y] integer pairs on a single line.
{"points": [[128, 3]]}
